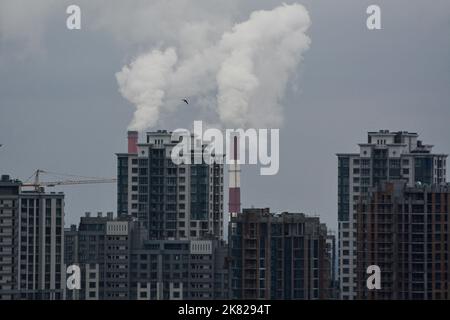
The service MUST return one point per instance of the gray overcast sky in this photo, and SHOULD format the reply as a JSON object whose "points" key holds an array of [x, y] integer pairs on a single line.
{"points": [[60, 108]]}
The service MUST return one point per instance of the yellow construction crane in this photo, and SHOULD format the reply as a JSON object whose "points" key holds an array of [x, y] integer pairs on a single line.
{"points": [[70, 179]]}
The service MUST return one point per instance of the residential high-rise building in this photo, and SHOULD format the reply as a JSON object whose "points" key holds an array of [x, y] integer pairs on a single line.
{"points": [[278, 256], [40, 245], [9, 208], [101, 248], [118, 261], [173, 201], [405, 231], [179, 269], [31, 238], [385, 156]]}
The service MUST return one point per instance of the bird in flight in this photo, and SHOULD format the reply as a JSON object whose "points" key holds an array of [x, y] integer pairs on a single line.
{"points": [[185, 100]]}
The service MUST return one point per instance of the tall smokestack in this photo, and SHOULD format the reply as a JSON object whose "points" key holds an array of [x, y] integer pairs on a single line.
{"points": [[234, 195], [132, 141]]}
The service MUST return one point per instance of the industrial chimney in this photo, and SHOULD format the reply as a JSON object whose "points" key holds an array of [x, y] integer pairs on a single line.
{"points": [[234, 187], [132, 141]]}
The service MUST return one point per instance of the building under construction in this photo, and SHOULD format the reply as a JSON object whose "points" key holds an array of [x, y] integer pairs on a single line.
{"points": [[279, 256], [405, 231]]}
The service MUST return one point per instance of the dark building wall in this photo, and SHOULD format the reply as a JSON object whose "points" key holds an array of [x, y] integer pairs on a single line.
{"points": [[278, 256], [405, 231], [122, 184], [9, 208], [127, 265], [100, 247], [343, 188], [179, 269]]}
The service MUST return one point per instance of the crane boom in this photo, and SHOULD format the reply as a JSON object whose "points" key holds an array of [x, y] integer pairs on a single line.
{"points": [[69, 182], [78, 180]]}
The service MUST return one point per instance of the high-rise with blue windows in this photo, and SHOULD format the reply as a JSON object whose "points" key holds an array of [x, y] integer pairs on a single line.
{"points": [[173, 201]]}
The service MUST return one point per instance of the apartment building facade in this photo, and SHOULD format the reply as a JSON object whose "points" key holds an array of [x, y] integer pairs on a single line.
{"points": [[9, 208], [32, 243], [182, 201], [405, 231], [119, 261], [278, 256], [101, 248], [385, 156], [179, 269]]}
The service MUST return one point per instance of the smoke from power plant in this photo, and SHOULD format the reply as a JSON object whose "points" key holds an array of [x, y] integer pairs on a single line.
{"points": [[243, 73], [144, 84]]}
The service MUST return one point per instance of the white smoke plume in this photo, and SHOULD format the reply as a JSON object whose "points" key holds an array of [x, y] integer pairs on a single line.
{"points": [[261, 54], [144, 84], [246, 69]]}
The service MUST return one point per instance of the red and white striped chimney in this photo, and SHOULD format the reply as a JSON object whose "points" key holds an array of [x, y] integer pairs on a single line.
{"points": [[132, 141], [234, 186]]}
